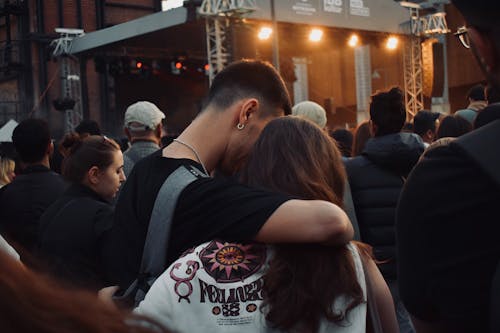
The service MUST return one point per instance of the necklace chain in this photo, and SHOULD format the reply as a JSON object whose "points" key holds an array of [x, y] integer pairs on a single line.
{"points": [[195, 153]]}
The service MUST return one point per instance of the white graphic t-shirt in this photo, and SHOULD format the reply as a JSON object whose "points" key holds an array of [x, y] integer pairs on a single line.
{"points": [[217, 287]]}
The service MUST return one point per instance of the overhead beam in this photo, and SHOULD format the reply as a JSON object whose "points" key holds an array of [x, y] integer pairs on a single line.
{"points": [[134, 28]]}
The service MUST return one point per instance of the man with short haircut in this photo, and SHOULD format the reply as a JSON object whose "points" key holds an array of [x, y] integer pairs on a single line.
{"points": [[477, 102], [377, 177], [24, 200], [425, 124], [447, 221], [242, 99], [143, 128]]}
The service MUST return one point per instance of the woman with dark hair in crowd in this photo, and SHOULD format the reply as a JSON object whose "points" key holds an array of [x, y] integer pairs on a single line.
{"points": [[248, 287], [30, 302], [71, 229], [361, 135], [453, 126]]}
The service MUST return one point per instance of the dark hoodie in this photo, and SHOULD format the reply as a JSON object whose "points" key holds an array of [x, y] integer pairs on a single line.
{"points": [[376, 179]]}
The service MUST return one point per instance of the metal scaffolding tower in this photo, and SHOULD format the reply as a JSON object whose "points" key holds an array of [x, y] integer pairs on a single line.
{"points": [[70, 101], [419, 27], [218, 15]]}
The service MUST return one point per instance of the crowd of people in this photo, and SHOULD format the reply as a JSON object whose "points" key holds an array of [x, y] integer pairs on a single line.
{"points": [[256, 218]]}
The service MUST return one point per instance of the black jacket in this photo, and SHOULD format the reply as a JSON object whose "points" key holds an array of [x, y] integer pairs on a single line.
{"points": [[376, 178], [70, 237], [449, 237], [23, 201]]}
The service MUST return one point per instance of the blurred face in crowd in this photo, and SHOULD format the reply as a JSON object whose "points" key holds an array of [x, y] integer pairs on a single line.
{"points": [[107, 182]]}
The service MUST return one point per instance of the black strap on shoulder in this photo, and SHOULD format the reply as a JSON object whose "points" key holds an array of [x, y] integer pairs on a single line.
{"points": [[157, 239]]}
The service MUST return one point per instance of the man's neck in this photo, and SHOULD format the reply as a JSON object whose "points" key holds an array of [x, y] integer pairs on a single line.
{"points": [[135, 140], [145, 139], [206, 136], [44, 162]]}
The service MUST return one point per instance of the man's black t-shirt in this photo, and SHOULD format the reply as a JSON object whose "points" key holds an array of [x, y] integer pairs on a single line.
{"points": [[448, 239], [208, 208]]}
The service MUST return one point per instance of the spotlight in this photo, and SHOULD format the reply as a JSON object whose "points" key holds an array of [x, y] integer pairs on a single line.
{"points": [[315, 35], [353, 40], [392, 43], [265, 33]]}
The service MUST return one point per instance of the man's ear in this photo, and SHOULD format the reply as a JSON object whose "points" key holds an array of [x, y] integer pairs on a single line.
{"points": [[93, 175], [248, 109], [430, 134], [159, 131], [484, 49], [127, 133]]}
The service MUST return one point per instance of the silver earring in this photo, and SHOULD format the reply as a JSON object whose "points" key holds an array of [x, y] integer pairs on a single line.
{"points": [[240, 126]]}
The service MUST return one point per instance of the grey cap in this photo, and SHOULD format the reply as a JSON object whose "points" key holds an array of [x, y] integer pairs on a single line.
{"points": [[145, 113]]}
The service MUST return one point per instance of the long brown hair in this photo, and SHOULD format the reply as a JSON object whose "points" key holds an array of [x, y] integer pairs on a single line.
{"points": [[296, 157], [361, 136], [30, 302]]}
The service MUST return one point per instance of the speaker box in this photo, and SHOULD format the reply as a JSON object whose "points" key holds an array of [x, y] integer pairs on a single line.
{"points": [[433, 68]]}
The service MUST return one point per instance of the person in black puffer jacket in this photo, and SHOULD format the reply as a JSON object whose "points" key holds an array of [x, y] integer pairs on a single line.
{"points": [[376, 178]]}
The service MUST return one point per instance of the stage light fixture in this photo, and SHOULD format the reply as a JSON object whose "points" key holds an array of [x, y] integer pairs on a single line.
{"points": [[392, 43], [315, 35], [353, 40], [265, 33]]}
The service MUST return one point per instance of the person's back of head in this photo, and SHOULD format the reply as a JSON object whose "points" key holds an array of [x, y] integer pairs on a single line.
{"points": [[344, 139], [250, 78], [88, 127], [492, 94], [296, 157], [312, 111], [453, 126], [387, 112], [476, 93], [425, 124], [32, 141], [143, 120]]}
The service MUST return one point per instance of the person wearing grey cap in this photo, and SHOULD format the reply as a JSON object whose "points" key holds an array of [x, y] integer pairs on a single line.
{"points": [[143, 128], [311, 111]]}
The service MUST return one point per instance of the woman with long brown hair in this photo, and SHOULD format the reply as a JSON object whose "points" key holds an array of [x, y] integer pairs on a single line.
{"points": [[232, 286]]}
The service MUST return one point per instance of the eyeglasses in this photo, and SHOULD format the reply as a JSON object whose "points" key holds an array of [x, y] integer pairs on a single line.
{"points": [[463, 37]]}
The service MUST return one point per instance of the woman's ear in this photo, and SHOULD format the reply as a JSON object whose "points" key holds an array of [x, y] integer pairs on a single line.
{"points": [[93, 175]]}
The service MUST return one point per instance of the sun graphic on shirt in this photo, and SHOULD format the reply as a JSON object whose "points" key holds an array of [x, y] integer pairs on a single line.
{"points": [[228, 262]]}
